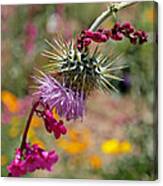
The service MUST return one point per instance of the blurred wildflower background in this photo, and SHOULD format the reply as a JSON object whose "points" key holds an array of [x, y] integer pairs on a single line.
{"points": [[116, 139]]}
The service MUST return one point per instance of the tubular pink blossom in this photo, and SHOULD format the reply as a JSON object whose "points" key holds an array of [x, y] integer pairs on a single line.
{"points": [[30, 159], [52, 125]]}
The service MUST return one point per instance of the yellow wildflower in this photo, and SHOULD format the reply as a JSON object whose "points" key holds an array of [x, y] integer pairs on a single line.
{"points": [[114, 146], [4, 160], [13, 132], [95, 161], [125, 147], [110, 146], [31, 134], [15, 121], [39, 142], [10, 101], [56, 116]]}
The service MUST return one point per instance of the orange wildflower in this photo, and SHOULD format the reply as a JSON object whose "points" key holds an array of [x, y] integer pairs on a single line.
{"points": [[36, 122], [95, 161], [76, 143], [150, 15], [125, 147], [10, 101]]}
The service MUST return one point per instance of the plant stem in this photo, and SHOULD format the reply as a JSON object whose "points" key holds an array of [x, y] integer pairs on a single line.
{"points": [[27, 128], [109, 12], [28, 125]]}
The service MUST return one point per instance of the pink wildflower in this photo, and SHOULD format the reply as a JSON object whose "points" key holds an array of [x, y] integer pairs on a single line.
{"points": [[52, 125], [31, 34], [30, 159]]}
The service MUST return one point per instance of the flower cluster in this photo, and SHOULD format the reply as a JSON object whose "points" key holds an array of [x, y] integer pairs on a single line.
{"points": [[52, 125], [30, 159], [117, 33], [67, 103]]}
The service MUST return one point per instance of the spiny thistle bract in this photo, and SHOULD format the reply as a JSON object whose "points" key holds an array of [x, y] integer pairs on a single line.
{"points": [[82, 72], [68, 103]]}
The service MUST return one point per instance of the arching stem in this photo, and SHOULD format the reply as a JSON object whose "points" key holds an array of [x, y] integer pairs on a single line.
{"points": [[113, 8], [28, 125]]}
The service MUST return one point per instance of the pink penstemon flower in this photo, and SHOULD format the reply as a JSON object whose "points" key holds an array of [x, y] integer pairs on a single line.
{"points": [[31, 158], [52, 125]]}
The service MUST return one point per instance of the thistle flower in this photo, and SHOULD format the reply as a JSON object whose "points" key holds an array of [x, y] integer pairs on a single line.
{"points": [[31, 158], [68, 103], [82, 72]]}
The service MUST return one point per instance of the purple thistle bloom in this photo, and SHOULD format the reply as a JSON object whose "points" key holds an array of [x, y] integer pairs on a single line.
{"points": [[68, 103]]}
